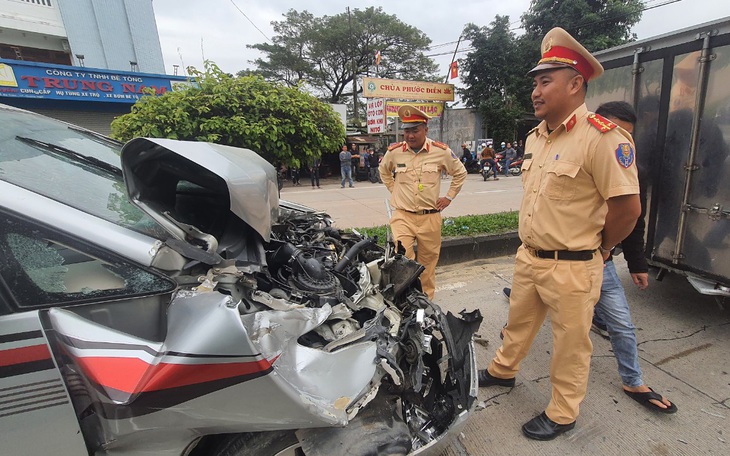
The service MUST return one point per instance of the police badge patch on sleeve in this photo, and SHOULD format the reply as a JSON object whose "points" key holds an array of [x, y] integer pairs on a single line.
{"points": [[625, 155], [453, 155]]}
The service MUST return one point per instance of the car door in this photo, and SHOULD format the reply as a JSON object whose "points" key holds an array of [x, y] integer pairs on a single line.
{"points": [[44, 403], [36, 414]]}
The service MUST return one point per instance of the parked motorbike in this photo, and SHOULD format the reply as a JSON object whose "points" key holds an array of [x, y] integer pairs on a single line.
{"points": [[472, 167], [515, 167]]}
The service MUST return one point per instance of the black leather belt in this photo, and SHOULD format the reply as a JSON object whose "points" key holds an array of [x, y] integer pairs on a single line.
{"points": [[572, 255], [423, 212]]}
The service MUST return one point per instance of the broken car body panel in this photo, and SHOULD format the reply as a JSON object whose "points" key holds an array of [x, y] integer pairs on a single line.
{"points": [[152, 166]]}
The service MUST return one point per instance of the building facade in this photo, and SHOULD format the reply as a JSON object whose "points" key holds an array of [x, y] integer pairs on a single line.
{"points": [[106, 34], [82, 61]]}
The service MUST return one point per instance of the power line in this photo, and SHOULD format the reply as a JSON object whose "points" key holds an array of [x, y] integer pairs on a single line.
{"points": [[449, 53], [247, 18], [433, 46]]}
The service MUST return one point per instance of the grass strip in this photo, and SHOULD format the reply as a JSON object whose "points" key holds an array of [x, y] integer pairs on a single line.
{"points": [[466, 225]]}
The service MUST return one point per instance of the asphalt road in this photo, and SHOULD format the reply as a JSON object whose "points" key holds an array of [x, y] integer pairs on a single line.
{"points": [[683, 340], [364, 205]]}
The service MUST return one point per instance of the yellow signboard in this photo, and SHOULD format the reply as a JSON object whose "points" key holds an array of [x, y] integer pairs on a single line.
{"points": [[432, 109], [407, 90], [7, 76]]}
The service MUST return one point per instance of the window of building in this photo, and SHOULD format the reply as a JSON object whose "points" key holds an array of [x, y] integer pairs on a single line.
{"points": [[37, 2]]}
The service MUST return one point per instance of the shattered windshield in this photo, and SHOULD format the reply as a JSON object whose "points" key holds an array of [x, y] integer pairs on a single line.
{"points": [[42, 268], [28, 162]]}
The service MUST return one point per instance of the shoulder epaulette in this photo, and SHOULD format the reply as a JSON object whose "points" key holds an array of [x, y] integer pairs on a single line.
{"points": [[440, 144], [601, 123], [530, 132], [395, 145]]}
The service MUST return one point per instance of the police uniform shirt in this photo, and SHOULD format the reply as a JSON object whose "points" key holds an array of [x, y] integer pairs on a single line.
{"points": [[568, 175], [417, 182]]}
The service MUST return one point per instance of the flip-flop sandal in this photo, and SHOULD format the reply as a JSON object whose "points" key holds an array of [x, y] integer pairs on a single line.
{"points": [[644, 399]]}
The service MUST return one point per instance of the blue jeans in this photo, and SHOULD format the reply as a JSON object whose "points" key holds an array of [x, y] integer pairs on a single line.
{"points": [[346, 172], [613, 310], [506, 163]]}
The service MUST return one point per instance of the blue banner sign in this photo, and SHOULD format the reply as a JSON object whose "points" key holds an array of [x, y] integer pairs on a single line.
{"points": [[58, 82]]}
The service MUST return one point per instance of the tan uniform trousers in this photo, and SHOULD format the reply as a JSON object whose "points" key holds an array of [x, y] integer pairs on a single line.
{"points": [[425, 229], [568, 291]]}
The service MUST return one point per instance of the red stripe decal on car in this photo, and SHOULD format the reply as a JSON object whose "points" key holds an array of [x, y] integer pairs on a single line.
{"points": [[132, 375], [24, 355]]}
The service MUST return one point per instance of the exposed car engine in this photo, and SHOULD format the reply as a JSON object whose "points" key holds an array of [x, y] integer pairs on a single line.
{"points": [[313, 265]]}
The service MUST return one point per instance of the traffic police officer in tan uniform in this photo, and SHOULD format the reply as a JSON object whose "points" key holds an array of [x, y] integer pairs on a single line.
{"points": [[411, 170], [580, 199]]}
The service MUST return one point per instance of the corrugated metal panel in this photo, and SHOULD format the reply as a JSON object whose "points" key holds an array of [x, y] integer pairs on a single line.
{"points": [[97, 121]]}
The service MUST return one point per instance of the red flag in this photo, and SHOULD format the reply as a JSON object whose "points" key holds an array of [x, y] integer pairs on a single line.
{"points": [[454, 69], [377, 58]]}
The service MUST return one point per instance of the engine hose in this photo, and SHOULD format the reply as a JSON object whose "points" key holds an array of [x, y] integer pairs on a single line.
{"points": [[352, 253]]}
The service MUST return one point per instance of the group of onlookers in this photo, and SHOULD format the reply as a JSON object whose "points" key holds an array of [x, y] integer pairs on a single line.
{"points": [[366, 162], [505, 156], [350, 161]]}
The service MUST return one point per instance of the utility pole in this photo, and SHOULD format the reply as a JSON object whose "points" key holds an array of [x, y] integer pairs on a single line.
{"points": [[446, 80], [354, 73]]}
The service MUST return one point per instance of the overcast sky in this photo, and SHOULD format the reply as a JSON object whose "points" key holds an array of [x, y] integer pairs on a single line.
{"points": [[220, 30]]}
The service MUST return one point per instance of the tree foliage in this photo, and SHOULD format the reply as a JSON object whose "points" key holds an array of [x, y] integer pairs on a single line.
{"points": [[596, 24], [319, 52], [494, 72], [282, 124], [494, 76]]}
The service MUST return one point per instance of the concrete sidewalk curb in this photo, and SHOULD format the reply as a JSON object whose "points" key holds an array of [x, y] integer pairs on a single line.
{"points": [[467, 248]]}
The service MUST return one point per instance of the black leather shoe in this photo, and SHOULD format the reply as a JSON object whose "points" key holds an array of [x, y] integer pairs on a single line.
{"points": [[485, 379], [543, 428]]}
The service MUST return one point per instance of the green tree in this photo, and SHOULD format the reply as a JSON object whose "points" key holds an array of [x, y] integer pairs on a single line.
{"points": [[319, 51], [596, 24], [494, 77], [494, 72], [282, 124]]}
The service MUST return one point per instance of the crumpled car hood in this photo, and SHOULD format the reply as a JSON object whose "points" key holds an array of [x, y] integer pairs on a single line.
{"points": [[249, 179]]}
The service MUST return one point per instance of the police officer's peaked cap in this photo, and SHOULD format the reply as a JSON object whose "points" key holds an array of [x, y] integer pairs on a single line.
{"points": [[560, 50], [411, 116]]}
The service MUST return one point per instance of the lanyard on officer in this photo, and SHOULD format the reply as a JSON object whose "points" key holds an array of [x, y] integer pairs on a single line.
{"points": [[418, 175]]}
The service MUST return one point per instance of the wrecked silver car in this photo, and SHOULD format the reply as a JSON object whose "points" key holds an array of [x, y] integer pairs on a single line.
{"points": [[159, 299]]}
